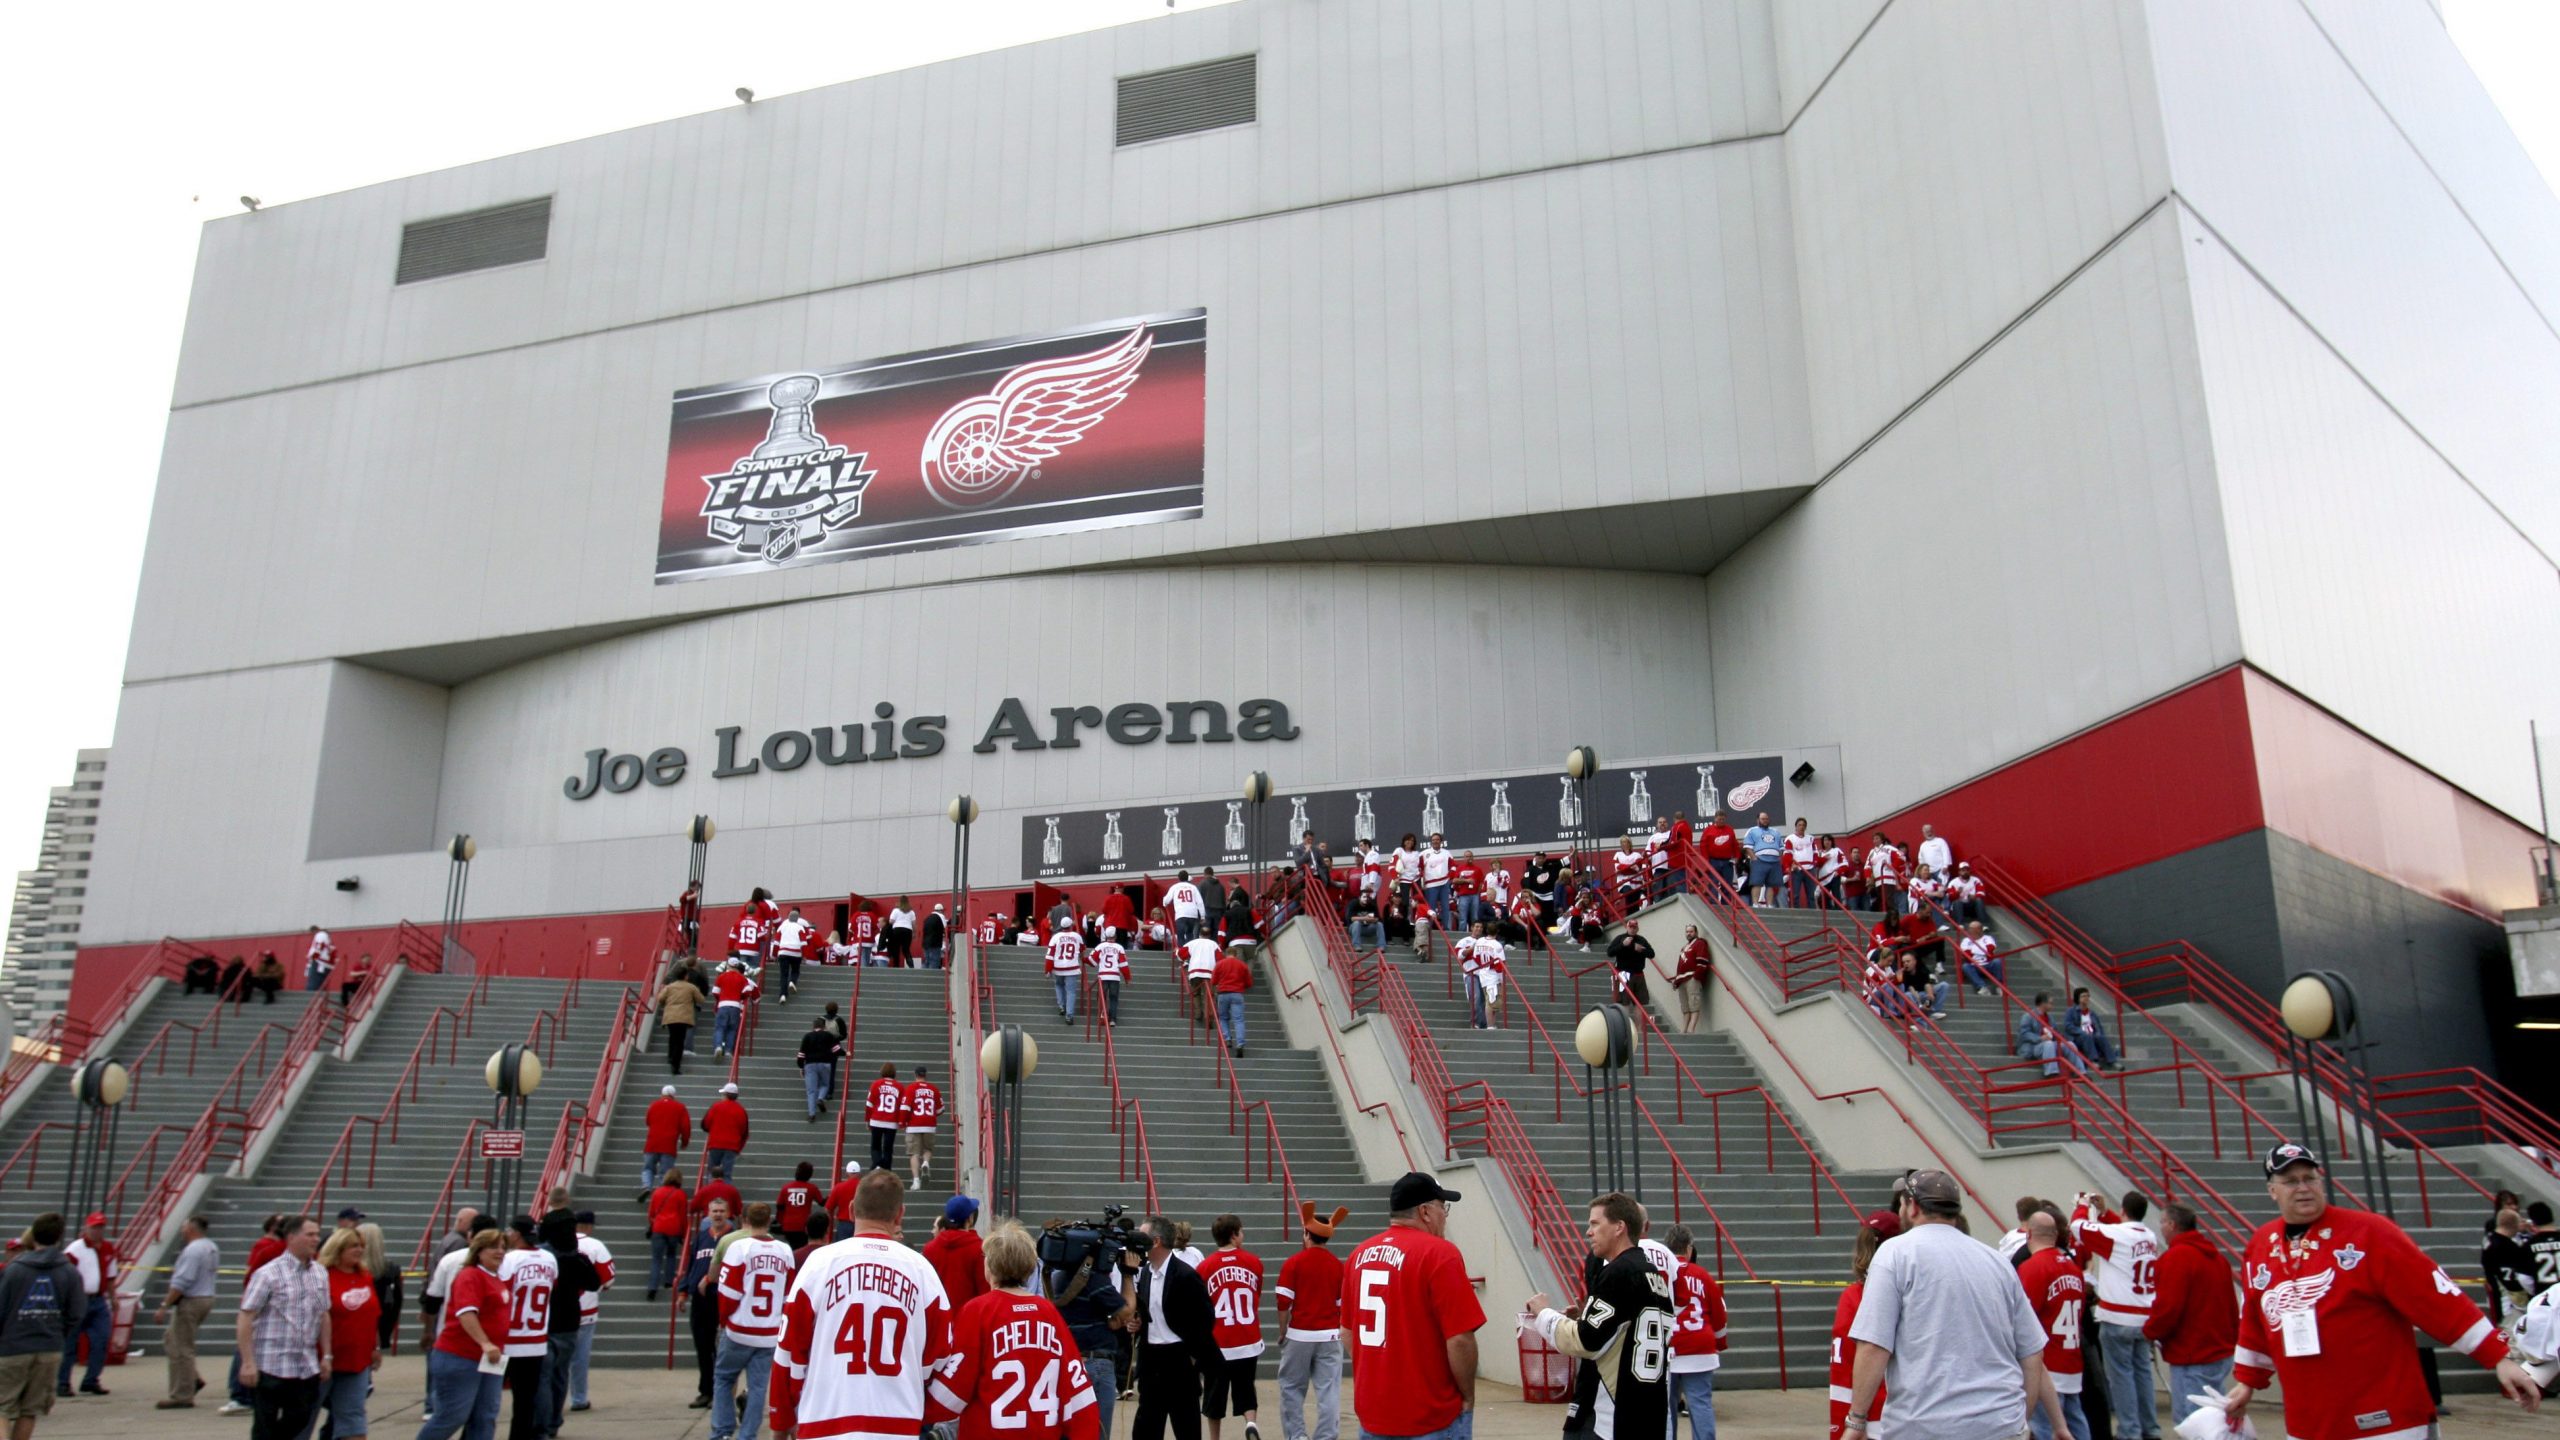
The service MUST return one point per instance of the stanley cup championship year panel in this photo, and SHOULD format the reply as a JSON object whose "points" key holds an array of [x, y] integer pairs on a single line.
{"points": [[1038, 435], [1505, 813]]}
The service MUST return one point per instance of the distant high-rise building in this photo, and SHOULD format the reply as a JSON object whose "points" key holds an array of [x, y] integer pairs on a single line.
{"points": [[44, 918]]}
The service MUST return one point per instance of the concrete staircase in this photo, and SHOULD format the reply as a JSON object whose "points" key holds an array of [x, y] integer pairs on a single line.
{"points": [[407, 1171], [1070, 1160], [174, 1075], [1762, 1186], [901, 1020]]}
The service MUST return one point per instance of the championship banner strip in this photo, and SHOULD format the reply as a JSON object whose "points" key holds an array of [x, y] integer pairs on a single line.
{"points": [[1501, 813], [1080, 429]]}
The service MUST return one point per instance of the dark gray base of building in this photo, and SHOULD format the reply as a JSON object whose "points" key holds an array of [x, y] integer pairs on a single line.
{"points": [[2435, 980]]}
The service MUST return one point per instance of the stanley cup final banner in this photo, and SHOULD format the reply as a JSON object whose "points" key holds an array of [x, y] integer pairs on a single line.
{"points": [[1497, 813], [1038, 435]]}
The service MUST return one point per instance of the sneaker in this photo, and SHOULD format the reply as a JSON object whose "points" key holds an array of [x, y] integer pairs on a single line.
{"points": [[699, 1402], [234, 1407], [1252, 1431]]}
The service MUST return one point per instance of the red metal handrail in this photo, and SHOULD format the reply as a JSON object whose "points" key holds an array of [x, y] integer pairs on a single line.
{"points": [[432, 1227], [852, 1028], [572, 1139], [1133, 1139], [442, 1024]]}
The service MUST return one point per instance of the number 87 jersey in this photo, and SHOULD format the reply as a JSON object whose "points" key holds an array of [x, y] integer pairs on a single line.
{"points": [[1625, 1329], [865, 1327]]}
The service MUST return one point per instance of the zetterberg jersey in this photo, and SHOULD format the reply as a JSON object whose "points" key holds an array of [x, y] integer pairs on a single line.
{"points": [[865, 1325]]}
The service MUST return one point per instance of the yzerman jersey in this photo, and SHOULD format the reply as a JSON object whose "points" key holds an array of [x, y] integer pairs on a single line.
{"points": [[1014, 1374], [1234, 1276], [2350, 1371], [746, 937], [1110, 962], [1066, 953], [884, 1104], [864, 1327], [754, 1277], [529, 1276], [1625, 1329], [1844, 1356], [2126, 1252], [2055, 1290]]}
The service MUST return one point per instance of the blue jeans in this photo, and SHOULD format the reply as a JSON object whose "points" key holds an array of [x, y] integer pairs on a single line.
{"points": [[1102, 1367], [1698, 1388], [578, 1364], [2187, 1380], [2094, 1047], [1437, 897], [1231, 1016], [1475, 1003], [666, 1259], [2041, 1050], [1368, 934], [98, 1324], [737, 1360], [817, 1085], [342, 1400], [239, 1393], [2129, 1395], [1800, 890], [933, 957], [1470, 909], [654, 1168], [1995, 969], [719, 1162], [556, 1366], [464, 1401], [1110, 1000], [1186, 928], [1064, 987], [790, 972], [2072, 1415], [1462, 1428], [724, 1027]]}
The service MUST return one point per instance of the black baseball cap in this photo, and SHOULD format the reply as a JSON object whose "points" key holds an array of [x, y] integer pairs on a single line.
{"points": [[1415, 1189], [2289, 1153], [526, 1226], [586, 1217]]}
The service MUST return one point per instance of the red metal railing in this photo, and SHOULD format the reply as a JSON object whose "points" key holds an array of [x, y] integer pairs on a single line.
{"points": [[442, 1207], [1133, 1147], [844, 1062], [574, 1137]]}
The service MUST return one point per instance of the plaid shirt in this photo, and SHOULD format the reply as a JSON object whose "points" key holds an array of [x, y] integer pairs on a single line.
{"points": [[291, 1300]]}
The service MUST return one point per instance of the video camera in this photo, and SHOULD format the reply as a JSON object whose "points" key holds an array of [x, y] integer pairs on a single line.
{"points": [[1071, 1251]]}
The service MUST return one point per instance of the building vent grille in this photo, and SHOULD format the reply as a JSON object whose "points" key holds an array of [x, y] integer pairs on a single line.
{"points": [[1208, 96], [480, 240]]}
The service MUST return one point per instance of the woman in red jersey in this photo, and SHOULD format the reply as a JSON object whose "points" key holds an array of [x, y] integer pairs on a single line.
{"points": [[1019, 1377], [1877, 1229]]}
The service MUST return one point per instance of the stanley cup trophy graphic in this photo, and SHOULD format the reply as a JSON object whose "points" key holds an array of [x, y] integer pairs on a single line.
{"points": [[1434, 820], [1171, 841], [1234, 837], [1364, 823], [1298, 825], [1708, 796], [1112, 845], [794, 430], [1568, 805], [1501, 819], [1053, 849], [1639, 803]]}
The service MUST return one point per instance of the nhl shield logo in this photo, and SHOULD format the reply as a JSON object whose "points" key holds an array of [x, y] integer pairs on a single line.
{"points": [[2349, 1257]]}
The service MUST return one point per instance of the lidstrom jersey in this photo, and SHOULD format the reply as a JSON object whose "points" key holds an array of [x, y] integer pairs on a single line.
{"points": [[754, 1277], [924, 1108], [1110, 962], [2054, 1291], [792, 937], [746, 937], [1066, 953], [1234, 1276], [865, 1325], [2345, 1296], [528, 1276], [2126, 1251], [1014, 1375]]}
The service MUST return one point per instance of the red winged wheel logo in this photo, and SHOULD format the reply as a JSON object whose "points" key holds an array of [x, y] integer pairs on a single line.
{"points": [[982, 449]]}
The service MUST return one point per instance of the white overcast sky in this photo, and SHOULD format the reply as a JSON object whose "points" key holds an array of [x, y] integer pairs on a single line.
{"points": [[132, 127]]}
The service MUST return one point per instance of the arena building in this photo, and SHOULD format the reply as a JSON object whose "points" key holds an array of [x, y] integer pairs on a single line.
{"points": [[2117, 433]]}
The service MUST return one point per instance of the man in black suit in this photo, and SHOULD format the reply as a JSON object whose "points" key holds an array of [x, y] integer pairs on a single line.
{"points": [[1175, 1344]]}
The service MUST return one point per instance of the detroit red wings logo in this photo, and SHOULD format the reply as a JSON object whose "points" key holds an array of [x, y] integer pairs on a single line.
{"points": [[2300, 1294], [983, 448]]}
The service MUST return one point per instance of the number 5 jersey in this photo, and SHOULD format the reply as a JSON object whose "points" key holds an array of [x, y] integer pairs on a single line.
{"points": [[1625, 1329], [865, 1324]]}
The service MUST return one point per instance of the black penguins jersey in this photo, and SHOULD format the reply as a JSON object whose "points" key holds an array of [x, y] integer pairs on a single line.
{"points": [[1625, 1330]]}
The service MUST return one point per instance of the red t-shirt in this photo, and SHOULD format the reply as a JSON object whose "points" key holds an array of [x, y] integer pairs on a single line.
{"points": [[474, 1292], [724, 1125], [1404, 1293], [716, 1188], [840, 1199], [1234, 1275], [794, 1204], [1311, 1290], [355, 1315]]}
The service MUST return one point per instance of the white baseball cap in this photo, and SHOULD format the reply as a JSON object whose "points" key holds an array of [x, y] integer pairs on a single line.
{"points": [[667, 1090], [729, 1089], [853, 1167]]}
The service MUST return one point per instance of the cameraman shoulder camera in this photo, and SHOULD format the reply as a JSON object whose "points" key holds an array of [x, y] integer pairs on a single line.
{"points": [[1084, 1270]]}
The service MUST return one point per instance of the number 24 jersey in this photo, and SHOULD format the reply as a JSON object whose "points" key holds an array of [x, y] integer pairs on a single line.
{"points": [[1014, 1374]]}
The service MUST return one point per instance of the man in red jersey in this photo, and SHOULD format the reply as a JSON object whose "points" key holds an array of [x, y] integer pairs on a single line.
{"points": [[1872, 1233], [1014, 1375], [921, 1114], [865, 1326], [1413, 1320], [792, 1208], [2328, 1298], [2056, 1290], [840, 1196], [1310, 1296], [1234, 1275], [724, 1132]]}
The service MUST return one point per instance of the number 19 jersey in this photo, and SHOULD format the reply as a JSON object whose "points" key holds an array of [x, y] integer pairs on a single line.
{"points": [[865, 1324], [1015, 1375]]}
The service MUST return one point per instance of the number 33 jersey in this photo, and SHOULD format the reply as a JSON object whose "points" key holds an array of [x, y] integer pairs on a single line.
{"points": [[865, 1326], [1625, 1330], [1015, 1375]]}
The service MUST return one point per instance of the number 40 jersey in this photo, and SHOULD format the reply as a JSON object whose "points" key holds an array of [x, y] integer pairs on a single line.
{"points": [[865, 1326], [1625, 1329]]}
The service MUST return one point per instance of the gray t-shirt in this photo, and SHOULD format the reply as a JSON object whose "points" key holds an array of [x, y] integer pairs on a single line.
{"points": [[1960, 1329]]}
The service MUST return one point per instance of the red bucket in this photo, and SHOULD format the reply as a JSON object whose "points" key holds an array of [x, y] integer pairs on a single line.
{"points": [[1546, 1376]]}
